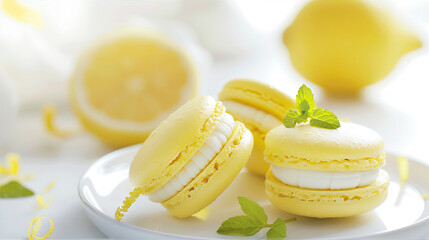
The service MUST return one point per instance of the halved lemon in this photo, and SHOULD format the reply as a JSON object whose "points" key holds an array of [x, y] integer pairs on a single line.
{"points": [[125, 86]]}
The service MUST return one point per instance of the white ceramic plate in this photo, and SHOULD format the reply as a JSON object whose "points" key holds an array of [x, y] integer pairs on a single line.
{"points": [[102, 188]]}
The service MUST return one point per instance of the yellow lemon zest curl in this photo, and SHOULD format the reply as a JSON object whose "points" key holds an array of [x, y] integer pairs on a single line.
{"points": [[126, 204], [49, 116], [12, 167], [34, 228], [404, 169], [41, 201], [27, 177], [49, 187]]}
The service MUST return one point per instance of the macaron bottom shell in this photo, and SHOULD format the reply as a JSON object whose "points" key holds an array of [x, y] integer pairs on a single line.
{"points": [[326, 203], [215, 178], [256, 163]]}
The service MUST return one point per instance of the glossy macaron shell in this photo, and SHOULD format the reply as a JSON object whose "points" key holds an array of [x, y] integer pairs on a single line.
{"points": [[170, 146], [351, 147]]}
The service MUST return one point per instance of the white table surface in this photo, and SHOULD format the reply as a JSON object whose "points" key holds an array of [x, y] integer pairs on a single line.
{"points": [[395, 107]]}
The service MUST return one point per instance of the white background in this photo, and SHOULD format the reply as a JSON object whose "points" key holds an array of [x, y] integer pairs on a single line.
{"points": [[395, 107]]}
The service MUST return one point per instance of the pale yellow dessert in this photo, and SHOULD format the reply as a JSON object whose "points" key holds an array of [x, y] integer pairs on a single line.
{"points": [[325, 173], [190, 158]]}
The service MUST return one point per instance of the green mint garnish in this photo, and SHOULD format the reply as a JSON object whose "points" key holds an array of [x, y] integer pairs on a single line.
{"points": [[253, 210], [291, 118], [325, 119], [14, 189], [307, 109], [239, 226], [305, 94], [251, 223], [277, 230]]}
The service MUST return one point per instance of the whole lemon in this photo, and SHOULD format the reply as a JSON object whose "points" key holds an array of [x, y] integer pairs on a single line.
{"points": [[344, 45]]}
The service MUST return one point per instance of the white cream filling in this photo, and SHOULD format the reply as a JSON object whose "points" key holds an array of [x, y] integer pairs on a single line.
{"points": [[267, 121], [324, 179], [199, 161]]}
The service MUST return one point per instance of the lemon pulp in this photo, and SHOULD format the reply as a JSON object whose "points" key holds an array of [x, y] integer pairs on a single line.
{"points": [[124, 88]]}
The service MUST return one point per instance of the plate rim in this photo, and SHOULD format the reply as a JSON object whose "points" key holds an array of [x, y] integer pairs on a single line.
{"points": [[101, 214]]}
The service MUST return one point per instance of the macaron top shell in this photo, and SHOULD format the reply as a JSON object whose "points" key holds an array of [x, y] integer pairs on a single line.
{"points": [[351, 146], [258, 95], [171, 145]]}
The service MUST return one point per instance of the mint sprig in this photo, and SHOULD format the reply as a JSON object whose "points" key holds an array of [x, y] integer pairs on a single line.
{"points": [[252, 222], [307, 109], [14, 189]]}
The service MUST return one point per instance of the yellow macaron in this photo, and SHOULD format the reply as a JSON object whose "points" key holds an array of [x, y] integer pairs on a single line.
{"points": [[190, 158], [325, 173], [261, 108]]}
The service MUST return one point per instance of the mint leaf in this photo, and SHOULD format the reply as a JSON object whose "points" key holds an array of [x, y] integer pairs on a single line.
{"points": [[253, 210], [14, 189], [277, 230], [323, 118], [304, 107], [254, 220], [302, 118], [307, 109], [291, 118], [305, 94], [240, 226]]}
